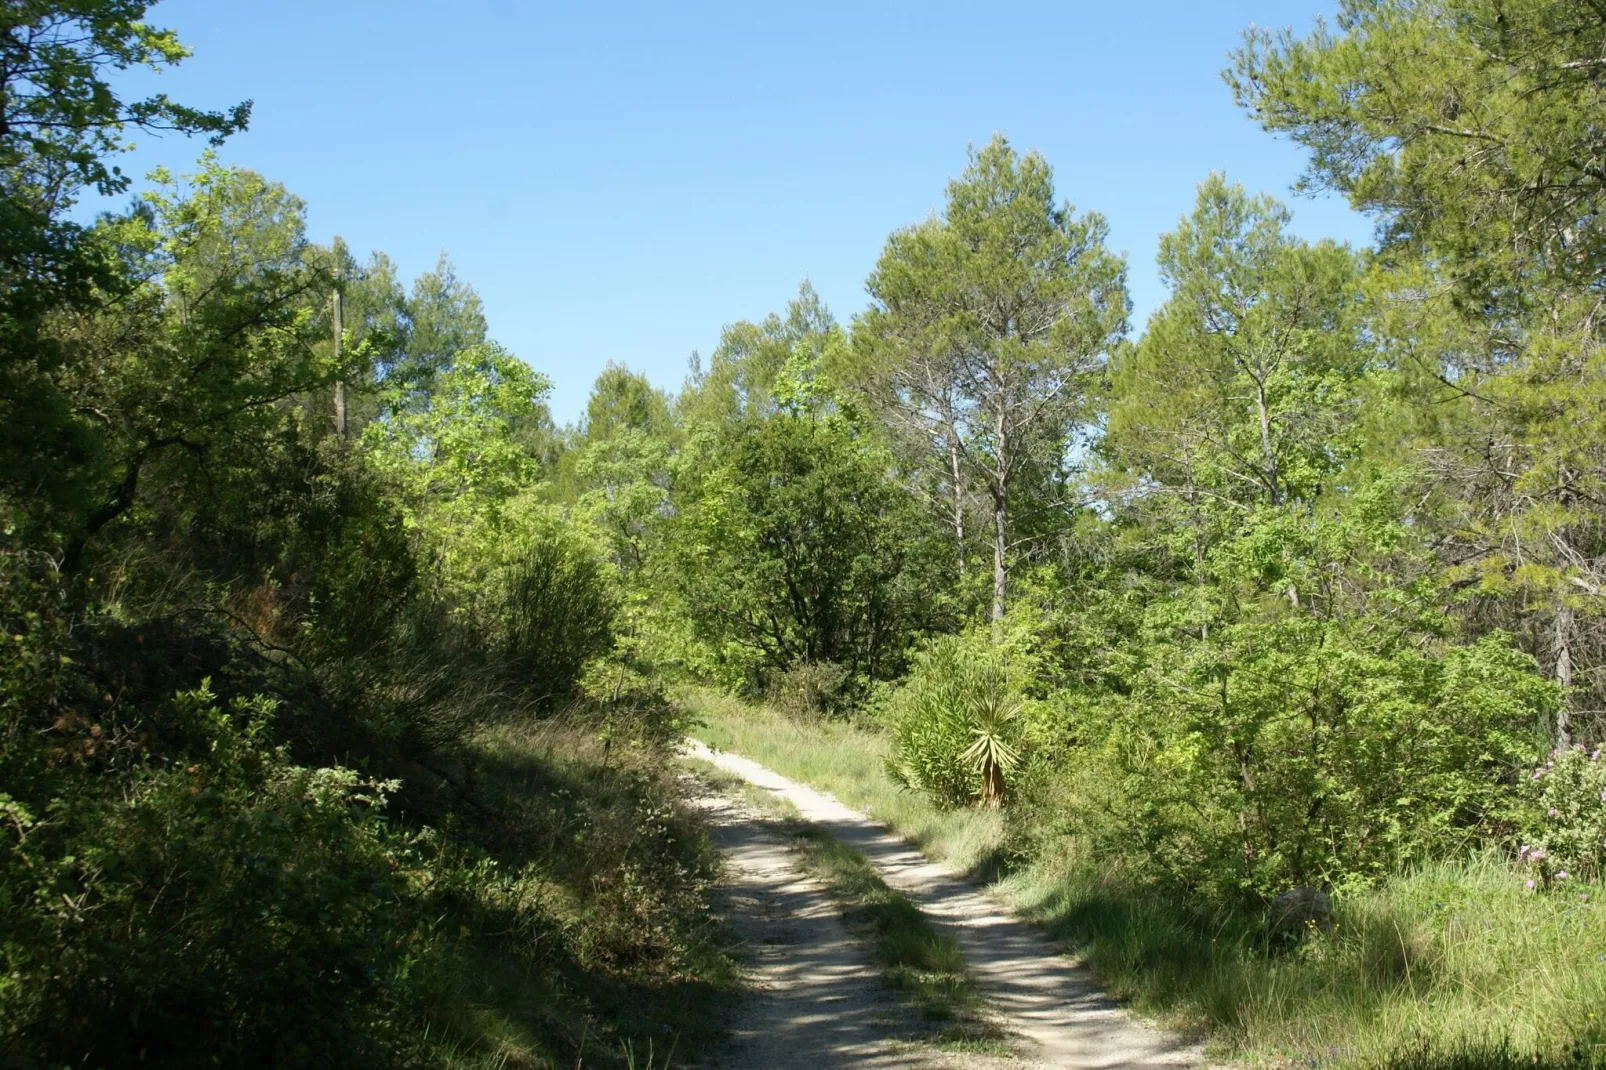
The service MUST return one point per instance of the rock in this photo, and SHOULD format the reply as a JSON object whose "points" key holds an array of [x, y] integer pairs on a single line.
{"points": [[1299, 909]]}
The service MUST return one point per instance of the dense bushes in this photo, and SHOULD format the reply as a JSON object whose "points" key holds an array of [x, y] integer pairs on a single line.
{"points": [[790, 546], [180, 889], [176, 887], [253, 637], [556, 613], [958, 722]]}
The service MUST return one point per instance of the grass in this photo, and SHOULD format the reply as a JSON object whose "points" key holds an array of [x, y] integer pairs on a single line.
{"points": [[1451, 966], [590, 941]]}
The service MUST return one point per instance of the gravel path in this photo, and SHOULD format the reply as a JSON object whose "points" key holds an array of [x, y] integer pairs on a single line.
{"points": [[816, 1001], [1061, 1014]]}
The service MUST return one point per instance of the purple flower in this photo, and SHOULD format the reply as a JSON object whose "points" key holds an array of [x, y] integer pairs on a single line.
{"points": [[1528, 884], [1561, 874], [1595, 757], [1522, 852], [1551, 812], [1538, 773]]}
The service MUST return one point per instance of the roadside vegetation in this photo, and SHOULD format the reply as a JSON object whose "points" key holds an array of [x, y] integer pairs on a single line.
{"points": [[318, 744]]}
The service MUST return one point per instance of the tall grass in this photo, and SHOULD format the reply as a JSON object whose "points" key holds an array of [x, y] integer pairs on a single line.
{"points": [[1452, 966], [588, 942]]}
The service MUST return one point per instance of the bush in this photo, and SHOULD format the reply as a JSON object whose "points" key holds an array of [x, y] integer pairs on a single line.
{"points": [[1299, 754], [957, 725], [223, 905], [1570, 841], [810, 690], [556, 612]]}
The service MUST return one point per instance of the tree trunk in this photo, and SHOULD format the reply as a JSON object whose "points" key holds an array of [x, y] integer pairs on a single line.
{"points": [[992, 786], [1564, 674], [1000, 517], [1265, 443], [1000, 541], [340, 386], [959, 506]]}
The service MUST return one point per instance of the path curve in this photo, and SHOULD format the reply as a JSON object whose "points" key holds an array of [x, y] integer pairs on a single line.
{"points": [[1024, 979]]}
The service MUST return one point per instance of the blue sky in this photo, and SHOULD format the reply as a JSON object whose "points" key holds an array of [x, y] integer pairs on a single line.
{"points": [[619, 181]]}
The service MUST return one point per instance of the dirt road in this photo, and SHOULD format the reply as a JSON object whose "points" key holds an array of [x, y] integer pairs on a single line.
{"points": [[819, 1001]]}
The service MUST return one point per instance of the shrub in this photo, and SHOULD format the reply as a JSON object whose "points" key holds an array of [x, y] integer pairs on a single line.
{"points": [[224, 904], [556, 612], [1301, 754], [810, 690], [957, 725], [1570, 790]]}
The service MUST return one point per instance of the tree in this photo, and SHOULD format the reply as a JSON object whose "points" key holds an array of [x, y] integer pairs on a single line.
{"points": [[790, 546], [201, 353], [441, 318], [1470, 128], [1472, 131], [751, 357], [61, 121], [621, 462], [1245, 389], [990, 326]]}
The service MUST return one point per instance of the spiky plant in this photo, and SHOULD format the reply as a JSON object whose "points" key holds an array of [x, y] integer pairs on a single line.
{"points": [[994, 710]]}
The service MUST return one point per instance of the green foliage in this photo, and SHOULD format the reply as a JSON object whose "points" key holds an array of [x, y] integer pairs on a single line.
{"points": [[1570, 802], [61, 120], [743, 371], [989, 328], [1246, 384], [791, 546], [556, 611], [219, 902], [468, 460], [1285, 716], [956, 722], [1465, 125]]}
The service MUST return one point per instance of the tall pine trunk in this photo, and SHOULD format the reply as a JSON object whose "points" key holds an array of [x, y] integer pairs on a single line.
{"points": [[1000, 515]]}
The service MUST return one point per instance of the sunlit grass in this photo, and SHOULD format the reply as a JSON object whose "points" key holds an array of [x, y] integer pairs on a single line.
{"points": [[1452, 966]]}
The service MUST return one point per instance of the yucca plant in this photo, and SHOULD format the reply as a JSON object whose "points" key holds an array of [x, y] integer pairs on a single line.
{"points": [[994, 711]]}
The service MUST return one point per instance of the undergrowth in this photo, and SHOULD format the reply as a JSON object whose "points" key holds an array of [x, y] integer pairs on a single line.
{"points": [[589, 942]]}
